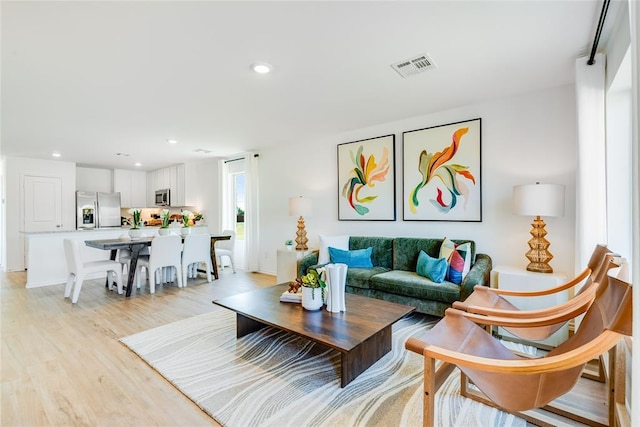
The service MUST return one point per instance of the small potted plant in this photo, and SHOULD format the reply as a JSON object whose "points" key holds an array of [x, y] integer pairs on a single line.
{"points": [[312, 300], [289, 244], [164, 228], [197, 216], [135, 232], [186, 217]]}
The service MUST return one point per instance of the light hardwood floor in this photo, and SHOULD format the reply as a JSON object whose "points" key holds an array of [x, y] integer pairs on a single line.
{"points": [[62, 364]]}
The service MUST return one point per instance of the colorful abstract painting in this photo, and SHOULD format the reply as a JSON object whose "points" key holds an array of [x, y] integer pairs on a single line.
{"points": [[442, 173], [366, 179]]}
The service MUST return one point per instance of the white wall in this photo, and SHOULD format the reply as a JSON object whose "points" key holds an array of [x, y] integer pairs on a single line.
{"points": [[525, 139], [16, 169], [202, 192]]}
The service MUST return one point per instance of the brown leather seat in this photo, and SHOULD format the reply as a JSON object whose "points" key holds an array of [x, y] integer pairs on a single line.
{"points": [[508, 380], [491, 301]]}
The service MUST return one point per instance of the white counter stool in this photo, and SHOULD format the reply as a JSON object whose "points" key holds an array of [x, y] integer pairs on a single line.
{"points": [[78, 270]]}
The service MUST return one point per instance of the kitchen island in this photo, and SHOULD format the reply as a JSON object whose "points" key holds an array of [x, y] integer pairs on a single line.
{"points": [[45, 259]]}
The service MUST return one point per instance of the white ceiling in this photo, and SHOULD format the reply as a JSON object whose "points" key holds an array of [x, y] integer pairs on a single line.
{"points": [[91, 79]]}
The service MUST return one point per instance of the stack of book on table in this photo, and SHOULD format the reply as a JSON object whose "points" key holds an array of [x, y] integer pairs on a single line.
{"points": [[290, 297]]}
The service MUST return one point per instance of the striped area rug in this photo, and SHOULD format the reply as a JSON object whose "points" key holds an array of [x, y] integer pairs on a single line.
{"points": [[273, 378]]}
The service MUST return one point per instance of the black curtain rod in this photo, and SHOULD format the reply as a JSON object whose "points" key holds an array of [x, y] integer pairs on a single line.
{"points": [[596, 40], [239, 158]]}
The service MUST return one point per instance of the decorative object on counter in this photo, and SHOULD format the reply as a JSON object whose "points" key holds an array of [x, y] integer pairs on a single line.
{"points": [[164, 228], [135, 213], [538, 200], [300, 207], [135, 232], [186, 217], [336, 281], [289, 244], [197, 216], [310, 282]]}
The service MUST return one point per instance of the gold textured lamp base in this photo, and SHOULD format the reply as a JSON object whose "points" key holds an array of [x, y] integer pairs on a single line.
{"points": [[538, 255], [301, 236]]}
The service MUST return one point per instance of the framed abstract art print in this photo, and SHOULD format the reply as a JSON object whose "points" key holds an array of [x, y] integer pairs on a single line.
{"points": [[441, 173], [366, 180]]}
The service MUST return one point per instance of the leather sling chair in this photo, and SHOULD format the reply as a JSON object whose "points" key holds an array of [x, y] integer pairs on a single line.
{"points": [[491, 301], [509, 381]]}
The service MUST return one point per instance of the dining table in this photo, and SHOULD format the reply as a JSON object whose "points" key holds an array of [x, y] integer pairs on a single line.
{"points": [[136, 246]]}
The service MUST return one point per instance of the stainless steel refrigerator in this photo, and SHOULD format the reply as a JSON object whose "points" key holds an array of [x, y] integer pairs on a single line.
{"points": [[97, 210]]}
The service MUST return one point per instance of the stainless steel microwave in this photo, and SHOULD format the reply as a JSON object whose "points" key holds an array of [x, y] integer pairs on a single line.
{"points": [[163, 197]]}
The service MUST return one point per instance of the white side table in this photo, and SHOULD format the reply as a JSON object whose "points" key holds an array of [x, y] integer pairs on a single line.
{"points": [[515, 278], [288, 263]]}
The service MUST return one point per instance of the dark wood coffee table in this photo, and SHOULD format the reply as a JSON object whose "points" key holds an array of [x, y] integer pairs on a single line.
{"points": [[362, 334]]}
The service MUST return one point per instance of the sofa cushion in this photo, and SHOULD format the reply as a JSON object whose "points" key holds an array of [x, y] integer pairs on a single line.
{"points": [[407, 249], [359, 258], [340, 242], [458, 257], [360, 277], [434, 269], [382, 254], [410, 284]]}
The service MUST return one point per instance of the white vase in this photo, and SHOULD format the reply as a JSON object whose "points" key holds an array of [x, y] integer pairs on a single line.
{"points": [[336, 282], [164, 231], [135, 233], [289, 247], [311, 298], [185, 230]]}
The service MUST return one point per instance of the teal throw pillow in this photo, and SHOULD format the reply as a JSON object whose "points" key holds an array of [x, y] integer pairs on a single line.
{"points": [[360, 258], [433, 269]]}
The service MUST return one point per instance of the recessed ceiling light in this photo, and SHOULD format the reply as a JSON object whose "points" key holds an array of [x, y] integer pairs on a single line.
{"points": [[261, 67], [137, 164], [172, 141], [56, 154]]}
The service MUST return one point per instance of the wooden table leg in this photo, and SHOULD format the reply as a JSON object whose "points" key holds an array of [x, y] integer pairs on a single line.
{"points": [[245, 325], [363, 356], [214, 260]]}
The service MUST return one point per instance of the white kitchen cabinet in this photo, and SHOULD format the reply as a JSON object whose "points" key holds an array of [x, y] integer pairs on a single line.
{"points": [[132, 186], [172, 178], [177, 183], [152, 186], [519, 279]]}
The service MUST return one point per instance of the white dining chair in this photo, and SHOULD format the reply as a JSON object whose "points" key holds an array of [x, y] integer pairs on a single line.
{"points": [[166, 251], [79, 270], [124, 258], [226, 248], [197, 249]]}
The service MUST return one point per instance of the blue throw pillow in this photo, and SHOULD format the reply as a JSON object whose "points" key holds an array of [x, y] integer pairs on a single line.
{"points": [[433, 269], [360, 258]]}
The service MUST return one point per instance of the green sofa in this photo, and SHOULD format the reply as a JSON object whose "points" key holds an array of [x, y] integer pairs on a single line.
{"points": [[394, 278]]}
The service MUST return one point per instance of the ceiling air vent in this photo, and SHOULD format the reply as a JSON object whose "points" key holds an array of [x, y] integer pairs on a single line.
{"points": [[416, 65]]}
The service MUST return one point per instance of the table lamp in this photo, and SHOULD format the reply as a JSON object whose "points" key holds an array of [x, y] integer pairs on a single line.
{"points": [[300, 207], [538, 200]]}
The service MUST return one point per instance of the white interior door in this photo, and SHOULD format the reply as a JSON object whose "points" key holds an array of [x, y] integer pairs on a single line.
{"points": [[42, 203]]}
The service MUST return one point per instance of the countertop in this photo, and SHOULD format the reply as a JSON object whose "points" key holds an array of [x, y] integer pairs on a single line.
{"points": [[85, 230]]}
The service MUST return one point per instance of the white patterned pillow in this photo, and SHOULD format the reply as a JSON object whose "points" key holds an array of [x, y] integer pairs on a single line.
{"points": [[338, 242]]}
